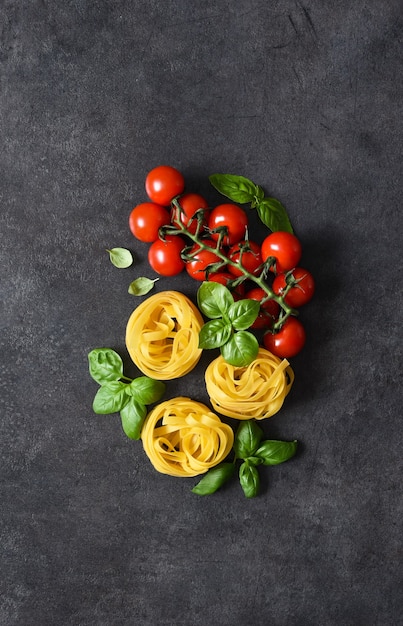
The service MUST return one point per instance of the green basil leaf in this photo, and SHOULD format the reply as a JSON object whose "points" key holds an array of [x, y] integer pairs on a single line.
{"points": [[273, 214], [258, 197], [141, 286], [214, 299], [241, 349], [146, 390], [243, 313], [214, 479], [133, 415], [236, 188], [249, 479], [105, 365], [274, 452], [254, 460], [110, 398], [247, 438], [120, 257], [214, 334]]}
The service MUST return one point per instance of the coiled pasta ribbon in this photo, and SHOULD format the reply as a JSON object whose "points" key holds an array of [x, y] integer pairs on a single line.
{"points": [[182, 437], [256, 391], [162, 335]]}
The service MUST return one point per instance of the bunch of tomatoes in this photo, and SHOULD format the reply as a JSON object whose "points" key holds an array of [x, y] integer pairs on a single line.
{"points": [[212, 244]]}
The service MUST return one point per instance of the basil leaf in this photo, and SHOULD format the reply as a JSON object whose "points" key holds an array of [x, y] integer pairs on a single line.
{"points": [[243, 313], [254, 460], [146, 390], [273, 214], [141, 286], [258, 197], [133, 415], [214, 479], [275, 452], [214, 334], [120, 257], [214, 299], [241, 349], [249, 479], [105, 365], [110, 398], [247, 438], [236, 188]]}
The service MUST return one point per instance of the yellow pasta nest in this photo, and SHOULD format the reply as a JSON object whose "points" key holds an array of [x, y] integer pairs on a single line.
{"points": [[162, 335], [182, 437], [256, 391]]}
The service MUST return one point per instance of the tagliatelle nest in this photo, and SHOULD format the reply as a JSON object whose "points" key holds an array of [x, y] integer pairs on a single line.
{"points": [[256, 391], [162, 335], [182, 437]]}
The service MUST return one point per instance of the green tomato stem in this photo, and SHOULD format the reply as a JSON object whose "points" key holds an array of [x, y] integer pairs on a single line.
{"points": [[258, 280]]}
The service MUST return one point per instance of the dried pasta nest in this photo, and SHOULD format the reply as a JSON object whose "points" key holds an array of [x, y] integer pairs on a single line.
{"points": [[256, 391], [162, 335], [182, 437]]}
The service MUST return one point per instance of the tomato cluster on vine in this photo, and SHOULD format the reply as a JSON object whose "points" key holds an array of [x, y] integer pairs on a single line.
{"points": [[212, 244]]}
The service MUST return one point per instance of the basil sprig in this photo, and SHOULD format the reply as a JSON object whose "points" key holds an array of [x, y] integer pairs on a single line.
{"points": [[118, 393], [243, 191], [227, 328], [251, 450]]}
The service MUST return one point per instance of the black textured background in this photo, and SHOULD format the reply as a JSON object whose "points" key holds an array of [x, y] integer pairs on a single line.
{"points": [[304, 98]]}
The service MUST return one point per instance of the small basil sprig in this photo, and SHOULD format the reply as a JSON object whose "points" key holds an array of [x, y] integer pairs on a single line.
{"points": [[141, 286], [251, 450], [120, 257], [115, 395], [230, 319], [242, 190]]}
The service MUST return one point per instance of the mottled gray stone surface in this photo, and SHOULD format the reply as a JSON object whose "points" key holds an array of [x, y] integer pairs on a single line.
{"points": [[304, 98]]}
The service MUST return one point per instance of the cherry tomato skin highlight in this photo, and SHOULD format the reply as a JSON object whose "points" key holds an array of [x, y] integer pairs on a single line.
{"points": [[269, 310], [190, 203], [285, 248], [231, 216], [163, 183], [288, 342], [165, 256], [146, 219], [302, 292], [196, 268], [251, 259]]}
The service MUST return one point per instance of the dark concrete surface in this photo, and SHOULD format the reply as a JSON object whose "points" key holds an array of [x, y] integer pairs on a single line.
{"points": [[305, 98]]}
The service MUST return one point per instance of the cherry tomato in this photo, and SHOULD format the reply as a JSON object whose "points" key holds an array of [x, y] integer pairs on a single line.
{"points": [[251, 257], [302, 292], [190, 203], [224, 278], [165, 256], [269, 310], [231, 216], [146, 219], [196, 268], [285, 248], [289, 340], [164, 183]]}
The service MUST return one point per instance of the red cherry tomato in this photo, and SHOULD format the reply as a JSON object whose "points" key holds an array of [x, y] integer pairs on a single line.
{"points": [[251, 257], [231, 216], [146, 219], [269, 310], [302, 292], [224, 278], [289, 340], [190, 203], [285, 248], [197, 267], [164, 183], [165, 256]]}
